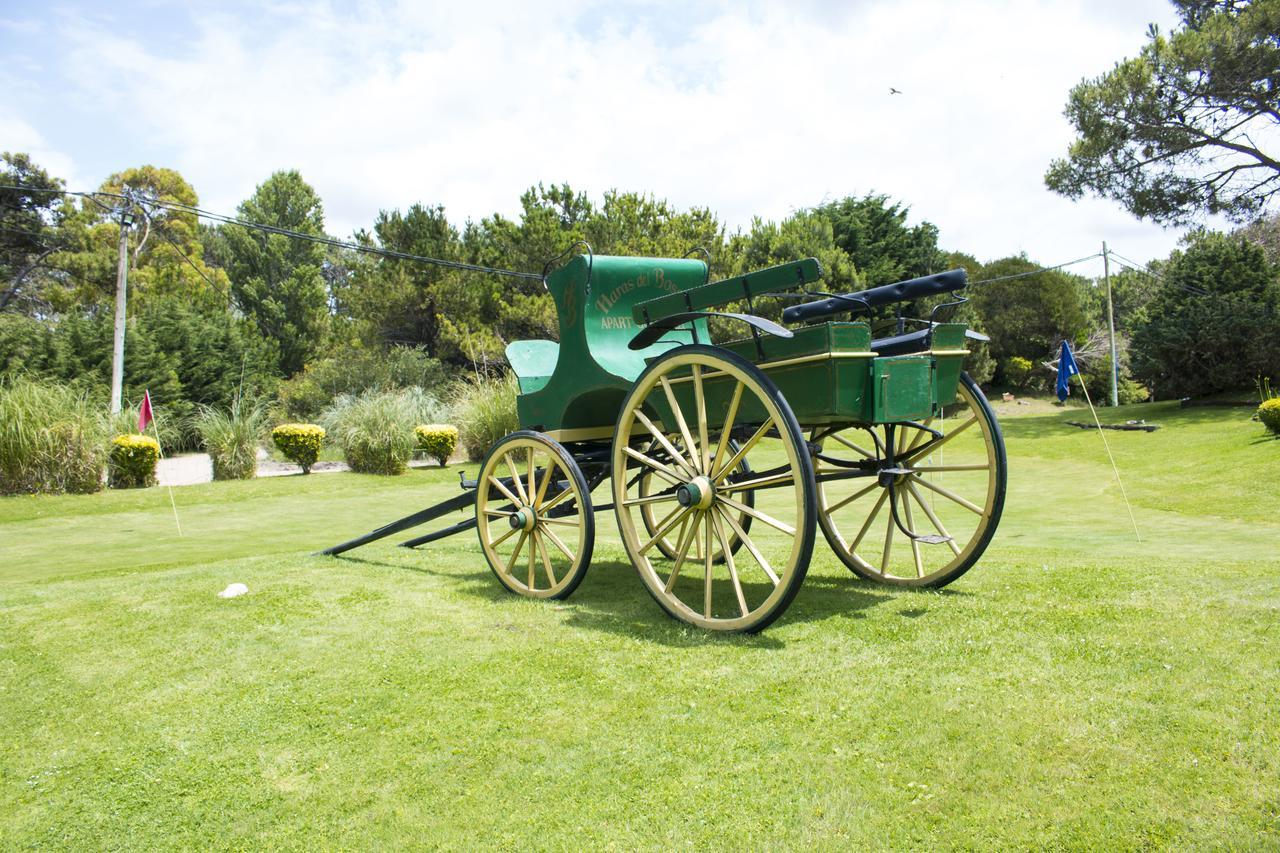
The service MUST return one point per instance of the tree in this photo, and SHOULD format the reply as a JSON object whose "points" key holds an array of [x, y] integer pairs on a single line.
{"points": [[28, 223], [1214, 324], [278, 280], [873, 232], [1179, 130], [1027, 317]]}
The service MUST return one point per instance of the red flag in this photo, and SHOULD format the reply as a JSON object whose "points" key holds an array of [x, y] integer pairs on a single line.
{"points": [[144, 413]]}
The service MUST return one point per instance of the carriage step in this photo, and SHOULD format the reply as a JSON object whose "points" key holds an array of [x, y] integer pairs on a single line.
{"points": [[932, 539]]}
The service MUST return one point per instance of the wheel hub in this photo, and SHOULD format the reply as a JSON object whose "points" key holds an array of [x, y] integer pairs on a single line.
{"points": [[698, 493], [523, 519]]}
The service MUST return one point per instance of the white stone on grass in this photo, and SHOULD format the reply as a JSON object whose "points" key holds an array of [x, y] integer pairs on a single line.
{"points": [[235, 590]]}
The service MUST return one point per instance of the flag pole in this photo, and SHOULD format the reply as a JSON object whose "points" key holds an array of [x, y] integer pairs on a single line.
{"points": [[155, 426], [1102, 434]]}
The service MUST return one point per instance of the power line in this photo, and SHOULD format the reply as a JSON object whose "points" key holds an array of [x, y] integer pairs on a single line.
{"points": [[1037, 270], [297, 235]]}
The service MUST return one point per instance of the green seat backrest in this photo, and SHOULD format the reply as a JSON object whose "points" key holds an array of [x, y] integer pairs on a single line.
{"points": [[594, 367], [533, 362]]}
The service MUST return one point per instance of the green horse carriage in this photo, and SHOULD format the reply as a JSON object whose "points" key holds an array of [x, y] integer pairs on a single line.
{"points": [[724, 459]]}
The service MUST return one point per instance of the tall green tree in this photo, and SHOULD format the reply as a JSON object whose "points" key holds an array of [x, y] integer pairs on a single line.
{"points": [[1214, 324], [1028, 316], [29, 220], [278, 280], [873, 232], [1187, 127]]}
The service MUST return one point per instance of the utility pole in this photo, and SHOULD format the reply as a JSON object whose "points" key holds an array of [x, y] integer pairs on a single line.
{"points": [[1111, 327], [122, 286]]}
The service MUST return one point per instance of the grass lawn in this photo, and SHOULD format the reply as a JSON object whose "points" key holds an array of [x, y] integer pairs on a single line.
{"points": [[1077, 689]]}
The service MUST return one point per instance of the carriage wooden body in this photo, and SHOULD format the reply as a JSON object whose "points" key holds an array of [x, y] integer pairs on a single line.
{"points": [[703, 443]]}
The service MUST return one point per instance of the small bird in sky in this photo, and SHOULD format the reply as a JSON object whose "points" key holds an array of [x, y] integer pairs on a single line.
{"points": [[893, 91]]}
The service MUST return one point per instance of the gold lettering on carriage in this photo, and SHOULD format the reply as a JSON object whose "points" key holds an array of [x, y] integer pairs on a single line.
{"points": [[606, 301]]}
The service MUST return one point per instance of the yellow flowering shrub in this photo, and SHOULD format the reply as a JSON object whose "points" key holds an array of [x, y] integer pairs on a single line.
{"points": [[300, 443], [131, 464], [1269, 414], [437, 440]]}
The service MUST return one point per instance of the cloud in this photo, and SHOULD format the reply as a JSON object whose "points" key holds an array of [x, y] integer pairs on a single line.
{"points": [[754, 109]]}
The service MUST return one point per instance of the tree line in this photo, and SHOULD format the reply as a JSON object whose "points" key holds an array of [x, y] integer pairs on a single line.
{"points": [[218, 310]]}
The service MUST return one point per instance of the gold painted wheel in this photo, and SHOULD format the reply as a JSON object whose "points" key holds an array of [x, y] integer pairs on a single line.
{"points": [[650, 484], [949, 497], [676, 425], [534, 516]]}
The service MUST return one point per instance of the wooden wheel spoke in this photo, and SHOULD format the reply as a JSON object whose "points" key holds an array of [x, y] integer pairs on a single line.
{"points": [[504, 537], [682, 550], [666, 444], [919, 436], [511, 564], [679, 416], [930, 446], [657, 467], [563, 522], [560, 496], [498, 513], [546, 560], [911, 526], [937, 469], [505, 491], [548, 474], [866, 525], [844, 502], [728, 561], [533, 541], [515, 478], [663, 529], [707, 582], [531, 491], [748, 544], [855, 448], [725, 431], [888, 536], [559, 543], [950, 495], [704, 449], [762, 517], [933, 518], [720, 475], [650, 499], [758, 483]]}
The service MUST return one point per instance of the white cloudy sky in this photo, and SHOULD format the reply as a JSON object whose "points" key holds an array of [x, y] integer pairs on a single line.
{"points": [[750, 108]]}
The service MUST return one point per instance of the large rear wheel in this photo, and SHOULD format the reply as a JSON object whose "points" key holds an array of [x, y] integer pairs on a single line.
{"points": [[677, 426], [926, 521]]}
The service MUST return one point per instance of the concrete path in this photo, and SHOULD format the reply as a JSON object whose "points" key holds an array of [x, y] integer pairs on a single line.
{"points": [[190, 469]]}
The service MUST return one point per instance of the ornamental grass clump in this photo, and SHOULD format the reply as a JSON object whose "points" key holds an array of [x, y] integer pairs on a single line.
{"points": [[300, 443], [231, 437], [437, 441], [52, 439], [374, 430], [485, 411], [131, 463]]}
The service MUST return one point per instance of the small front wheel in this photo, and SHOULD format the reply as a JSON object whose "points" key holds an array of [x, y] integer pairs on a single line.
{"points": [[534, 516]]}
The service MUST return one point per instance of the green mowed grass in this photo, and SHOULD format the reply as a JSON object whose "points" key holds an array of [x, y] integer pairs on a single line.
{"points": [[1077, 689]]}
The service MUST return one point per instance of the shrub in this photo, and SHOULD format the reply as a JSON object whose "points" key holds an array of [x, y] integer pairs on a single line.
{"points": [[1269, 414], [352, 372], [300, 443], [132, 461], [165, 421], [485, 411], [231, 437], [1017, 370], [52, 438], [374, 430], [437, 440]]}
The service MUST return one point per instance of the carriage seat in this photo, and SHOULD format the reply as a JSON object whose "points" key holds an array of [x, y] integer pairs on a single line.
{"points": [[533, 363]]}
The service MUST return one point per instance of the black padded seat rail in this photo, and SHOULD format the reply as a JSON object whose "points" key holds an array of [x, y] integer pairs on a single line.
{"points": [[902, 291]]}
